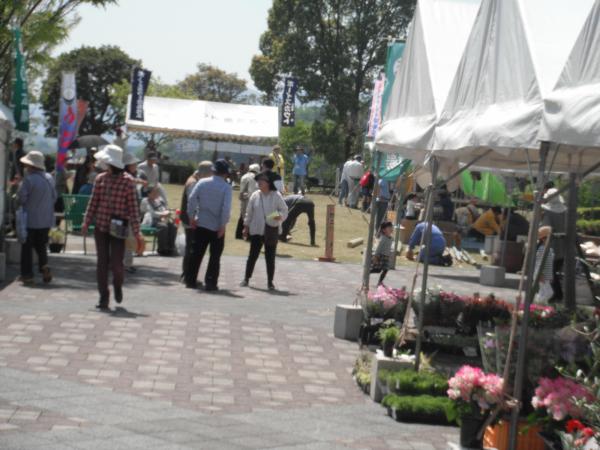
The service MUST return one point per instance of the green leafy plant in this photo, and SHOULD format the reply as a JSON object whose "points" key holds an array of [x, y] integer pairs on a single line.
{"points": [[422, 408], [388, 334], [362, 370], [409, 382]]}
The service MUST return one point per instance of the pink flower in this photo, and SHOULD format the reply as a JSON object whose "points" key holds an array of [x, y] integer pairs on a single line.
{"points": [[472, 384], [557, 397]]}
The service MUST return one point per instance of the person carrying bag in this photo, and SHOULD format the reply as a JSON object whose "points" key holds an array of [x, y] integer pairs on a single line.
{"points": [[262, 225]]}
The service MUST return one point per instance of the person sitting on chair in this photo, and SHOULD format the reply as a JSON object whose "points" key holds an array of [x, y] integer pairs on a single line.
{"points": [[297, 205], [156, 214]]}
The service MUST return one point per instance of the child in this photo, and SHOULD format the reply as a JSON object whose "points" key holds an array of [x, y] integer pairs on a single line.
{"points": [[545, 291], [383, 252]]}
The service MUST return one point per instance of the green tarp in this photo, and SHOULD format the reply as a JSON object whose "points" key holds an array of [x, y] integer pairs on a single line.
{"points": [[488, 188]]}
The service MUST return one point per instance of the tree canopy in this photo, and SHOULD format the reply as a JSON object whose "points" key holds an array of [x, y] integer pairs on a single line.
{"points": [[335, 48], [213, 84], [44, 24], [98, 72]]}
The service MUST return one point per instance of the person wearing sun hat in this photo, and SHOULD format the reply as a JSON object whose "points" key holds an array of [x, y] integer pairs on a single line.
{"points": [[555, 216], [112, 207], [36, 195]]}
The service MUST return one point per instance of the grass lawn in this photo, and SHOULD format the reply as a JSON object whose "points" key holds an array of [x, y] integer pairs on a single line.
{"points": [[349, 224]]}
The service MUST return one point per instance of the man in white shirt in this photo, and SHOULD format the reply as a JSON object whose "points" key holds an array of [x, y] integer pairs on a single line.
{"points": [[149, 172], [344, 184], [354, 172]]}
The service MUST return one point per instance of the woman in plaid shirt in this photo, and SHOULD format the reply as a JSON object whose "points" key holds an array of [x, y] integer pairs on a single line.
{"points": [[113, 197]]}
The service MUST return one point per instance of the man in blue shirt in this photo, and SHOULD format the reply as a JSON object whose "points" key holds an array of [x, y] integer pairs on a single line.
{"points": [[209, 207], [382, 201], [300, 170], [436, 251]]}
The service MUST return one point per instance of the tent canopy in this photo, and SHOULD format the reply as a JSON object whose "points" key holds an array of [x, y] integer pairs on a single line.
{"points": [[511, 64], [207, 120], [572, 110], [438, 36]]}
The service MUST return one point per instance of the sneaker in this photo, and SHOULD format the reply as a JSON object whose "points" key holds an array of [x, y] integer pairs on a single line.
{"points": [[118, 294], [102, 306], [46, 274], [244, 283], [27, 280], [271, 287]]}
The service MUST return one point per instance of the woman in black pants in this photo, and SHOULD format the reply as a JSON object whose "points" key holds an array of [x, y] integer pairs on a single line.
{"points": [[262, 225]]}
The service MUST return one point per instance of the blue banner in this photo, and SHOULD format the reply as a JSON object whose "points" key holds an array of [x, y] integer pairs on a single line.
{"points": [[288, 109], [140, 79], [20, 98]]}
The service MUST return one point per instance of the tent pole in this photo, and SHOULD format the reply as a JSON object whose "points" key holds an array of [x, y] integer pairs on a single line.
{"points": [[505, 236], [529, 292], [369, 250], [399, 201], [425, 250], [570, 243]]}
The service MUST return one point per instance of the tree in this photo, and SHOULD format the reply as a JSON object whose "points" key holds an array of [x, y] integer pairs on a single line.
{"points": [[335, 48], [215, 85], [44, 24], [97, 72]]}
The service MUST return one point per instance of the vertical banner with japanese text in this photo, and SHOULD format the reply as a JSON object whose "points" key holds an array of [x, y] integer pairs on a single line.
{"points": [[375, 115], [67, 118], [288, 106], [140, 79], [20, 97]]}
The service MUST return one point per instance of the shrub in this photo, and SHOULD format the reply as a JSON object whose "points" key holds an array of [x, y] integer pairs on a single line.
{"points": [[422, 408], [409, 382]]}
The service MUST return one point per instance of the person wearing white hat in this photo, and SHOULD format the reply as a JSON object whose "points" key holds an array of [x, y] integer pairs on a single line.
{"points": [[113, 208], [247, 186], [555, 216], [37, 196]]}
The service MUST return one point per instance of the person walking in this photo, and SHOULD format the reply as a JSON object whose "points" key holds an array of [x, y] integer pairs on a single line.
{"points": [[265, 213], [248, 186], [555, 217], [355, 171], [36, 195], [380, 262], [343, 197], [209, 207], [204, 170], [113, 208], [300, 170]]}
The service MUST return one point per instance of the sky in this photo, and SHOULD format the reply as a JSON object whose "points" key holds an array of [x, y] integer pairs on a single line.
{"points": [[172, 36]]}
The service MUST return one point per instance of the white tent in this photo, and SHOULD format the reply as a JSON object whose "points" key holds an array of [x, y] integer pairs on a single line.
{"points": [[512, 61], [438, 36], [572, 111], [207, 120], [436, 42]]}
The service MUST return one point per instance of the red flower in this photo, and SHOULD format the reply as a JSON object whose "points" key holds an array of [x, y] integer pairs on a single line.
{"points": [[573, 425], [588, 432]]}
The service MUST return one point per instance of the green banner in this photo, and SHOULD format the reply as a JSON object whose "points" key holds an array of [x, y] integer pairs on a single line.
{"points": [[486, 187], [392, 165], [20, 97]]}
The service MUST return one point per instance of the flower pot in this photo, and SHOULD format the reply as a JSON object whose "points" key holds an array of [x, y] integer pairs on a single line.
{"points": [[551, 440], [388, 349], [55, 248], [469, 430], [497, 436]]}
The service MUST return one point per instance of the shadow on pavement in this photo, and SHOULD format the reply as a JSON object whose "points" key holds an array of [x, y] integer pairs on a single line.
{"points": [[509, 283], [276, 292]]}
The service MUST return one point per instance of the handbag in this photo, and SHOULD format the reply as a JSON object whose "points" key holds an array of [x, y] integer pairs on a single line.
{"points": [[118, 227], [271, 234]]}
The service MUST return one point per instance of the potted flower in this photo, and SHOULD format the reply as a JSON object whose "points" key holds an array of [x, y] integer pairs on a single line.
{"points": [[558, 402], [388, 336], [474, 393], [56, 240]]}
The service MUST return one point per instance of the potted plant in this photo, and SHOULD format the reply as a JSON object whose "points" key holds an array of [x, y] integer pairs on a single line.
{"points": [[388, 336], [474, 393], [56, 240]]}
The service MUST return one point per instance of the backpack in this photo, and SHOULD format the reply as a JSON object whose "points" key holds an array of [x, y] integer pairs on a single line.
{"points": [[365, 179]]}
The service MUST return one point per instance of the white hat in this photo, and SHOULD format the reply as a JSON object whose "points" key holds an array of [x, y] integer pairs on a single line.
{"points": [[34, 159], [111, 155], [129, 158], [556, 204], [254, 168]]}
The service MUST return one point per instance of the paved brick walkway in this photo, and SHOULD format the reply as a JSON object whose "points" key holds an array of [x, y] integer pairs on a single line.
{"points": [[176, 368]]}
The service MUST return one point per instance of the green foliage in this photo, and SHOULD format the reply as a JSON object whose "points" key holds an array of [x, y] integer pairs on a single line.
{"points": [[213, 84], [362, 370], [591, 227], [99, 74], [388, 334], [44, 25], [421, 408], [328, 140], [586, 213], [335, 48], [409, 382]]}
